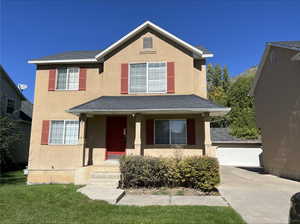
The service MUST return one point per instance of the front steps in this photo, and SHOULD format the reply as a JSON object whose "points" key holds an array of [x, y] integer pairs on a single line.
{"points": [[103, 179], [103, 182]]}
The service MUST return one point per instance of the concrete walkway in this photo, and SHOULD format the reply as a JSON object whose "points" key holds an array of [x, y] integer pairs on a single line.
{"points": [[109, 194], [145, 200], [258, 198]]}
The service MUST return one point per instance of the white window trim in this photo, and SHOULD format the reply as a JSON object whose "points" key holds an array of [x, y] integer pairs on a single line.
{"points": [[148, 48], [170, 143], [50, 128], [6, 104], [147, 63], [67, 79]]}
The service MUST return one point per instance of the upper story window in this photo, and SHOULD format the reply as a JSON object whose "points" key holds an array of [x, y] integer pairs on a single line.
{"points": [[10, 106], [64, 132], [147, 77], [67, 78], [147, 43]]}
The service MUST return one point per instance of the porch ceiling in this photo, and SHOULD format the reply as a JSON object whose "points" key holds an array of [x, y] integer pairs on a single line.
{"points": [[163, 104]]}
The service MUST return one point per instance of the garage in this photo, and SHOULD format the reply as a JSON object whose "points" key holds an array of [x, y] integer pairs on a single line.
{"points": [[233, 151], [239, 156]]}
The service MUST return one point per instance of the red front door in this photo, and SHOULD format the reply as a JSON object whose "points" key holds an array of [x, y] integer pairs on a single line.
{"points": [[115, 136]]}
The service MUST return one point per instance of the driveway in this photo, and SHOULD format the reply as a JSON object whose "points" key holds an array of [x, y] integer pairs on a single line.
{"points": [[258, 198]]}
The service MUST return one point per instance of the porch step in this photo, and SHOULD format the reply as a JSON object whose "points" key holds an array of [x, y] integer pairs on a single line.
{"points": [[108, 166], [103, 182], [105, 179], [112, 185], [105, 169], [106, 175]]}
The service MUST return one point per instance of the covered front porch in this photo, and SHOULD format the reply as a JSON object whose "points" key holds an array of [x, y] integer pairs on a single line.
{"points": [[164, 126]]}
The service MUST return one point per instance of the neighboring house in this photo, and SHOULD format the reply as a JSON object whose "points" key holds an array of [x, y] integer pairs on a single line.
{"points": [[143, 95], [14, 105], [277, 103], [233, 151]]}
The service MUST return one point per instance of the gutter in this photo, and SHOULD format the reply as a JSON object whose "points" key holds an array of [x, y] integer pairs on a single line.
{"points": [[237, 142], [221, 111], [87, 60]]}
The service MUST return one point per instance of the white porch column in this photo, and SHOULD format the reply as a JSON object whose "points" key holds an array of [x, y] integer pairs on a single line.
{"points": [[82, 134], [208, 149], [137, 139]]}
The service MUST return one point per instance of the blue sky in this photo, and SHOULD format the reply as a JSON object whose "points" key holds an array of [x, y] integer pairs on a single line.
{"points": [[235, 31]]}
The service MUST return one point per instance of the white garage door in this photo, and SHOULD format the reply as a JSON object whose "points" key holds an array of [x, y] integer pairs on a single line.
{"points": [[248, 157]]}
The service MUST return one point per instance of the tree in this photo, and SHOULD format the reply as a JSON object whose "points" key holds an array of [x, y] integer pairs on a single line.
{"points": [[9, 137], [233, 93], [242, 114], [218, 85], [225, 80]]}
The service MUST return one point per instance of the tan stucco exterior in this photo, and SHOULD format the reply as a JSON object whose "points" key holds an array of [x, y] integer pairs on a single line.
{"points": [[65, 160], [277, 102]]}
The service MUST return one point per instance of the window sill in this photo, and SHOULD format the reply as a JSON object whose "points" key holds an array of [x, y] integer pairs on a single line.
{"points": [[169, 145], [69, 90], [148, 51], [63, 144]]}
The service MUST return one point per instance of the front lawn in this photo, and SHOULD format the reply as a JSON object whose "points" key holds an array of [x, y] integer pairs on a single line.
{"points": [[62, 204]]}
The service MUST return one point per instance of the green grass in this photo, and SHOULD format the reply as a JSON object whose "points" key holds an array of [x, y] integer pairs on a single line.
{"points": [[13, 177], [62, 204]]}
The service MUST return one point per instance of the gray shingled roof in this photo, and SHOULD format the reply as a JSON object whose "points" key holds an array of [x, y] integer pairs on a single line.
{"points": [[222, 135], [71, 55], [204, 49], [146, 103], [87, 55], [290, 44]]}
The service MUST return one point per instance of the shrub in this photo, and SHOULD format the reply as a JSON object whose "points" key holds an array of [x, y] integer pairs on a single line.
{"points": [[194, 172], [138, 171]]}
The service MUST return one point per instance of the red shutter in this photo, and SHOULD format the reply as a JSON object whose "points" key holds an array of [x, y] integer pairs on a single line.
{"points": [[150, 132], [191, 135], [51, 83], [124, 78], [171, 77], [45, 132], [82, 79]]}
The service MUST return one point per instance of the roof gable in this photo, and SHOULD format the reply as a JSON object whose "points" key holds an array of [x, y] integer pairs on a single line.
{"points": [[292, 45], [11, 83], [198, 51], [98, 55]]}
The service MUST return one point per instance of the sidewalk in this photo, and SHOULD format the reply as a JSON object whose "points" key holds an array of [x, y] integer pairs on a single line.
{"points": [[145, 200]]}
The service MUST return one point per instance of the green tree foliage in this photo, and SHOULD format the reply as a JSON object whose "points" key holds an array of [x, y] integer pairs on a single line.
{"points": [[218, 84], [9, 137], [234, 94], [242, 114]]}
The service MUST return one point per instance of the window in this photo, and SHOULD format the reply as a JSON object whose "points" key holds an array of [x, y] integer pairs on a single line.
{"points": [[64, 132], [67, 79], [147, 43], [147, 77], [10, 106], [170, 132]]}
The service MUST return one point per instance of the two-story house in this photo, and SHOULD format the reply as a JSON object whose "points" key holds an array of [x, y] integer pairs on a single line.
{"points": [[143, 95], [13, 104], [277, 105]]}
